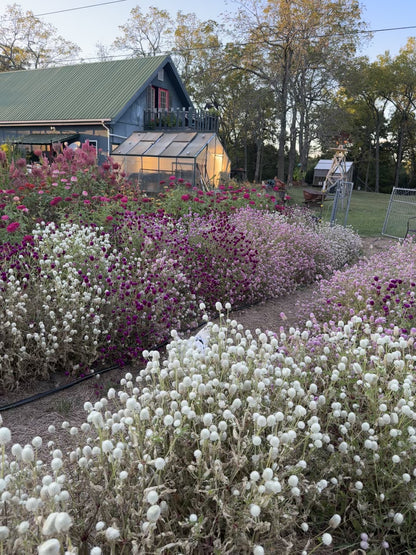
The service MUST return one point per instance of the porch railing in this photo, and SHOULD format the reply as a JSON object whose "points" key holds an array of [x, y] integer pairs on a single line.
{"points": [[180, 119]]}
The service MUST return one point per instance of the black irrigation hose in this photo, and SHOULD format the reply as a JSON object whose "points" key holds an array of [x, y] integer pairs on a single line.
{"points": [[43, 394]]}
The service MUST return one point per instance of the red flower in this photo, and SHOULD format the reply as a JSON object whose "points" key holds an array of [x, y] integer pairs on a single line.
{"points": [[11, 228], [246, 195], [55, 200], [185, 197], [109, 218]]}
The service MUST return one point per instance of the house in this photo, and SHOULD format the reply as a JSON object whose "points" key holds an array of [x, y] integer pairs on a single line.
{"points": [[103, 102], [322, 168]]}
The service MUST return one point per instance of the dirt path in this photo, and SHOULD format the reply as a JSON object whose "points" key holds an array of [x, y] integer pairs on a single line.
{"points": [[33, 419]]}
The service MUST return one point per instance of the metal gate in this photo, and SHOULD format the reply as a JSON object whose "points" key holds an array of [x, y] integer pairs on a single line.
{"points": [[402, 206], [341, 203]]}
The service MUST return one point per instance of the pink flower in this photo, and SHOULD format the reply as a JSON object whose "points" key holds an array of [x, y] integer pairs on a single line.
{"points": [[5, 217], [22, 207], [84, 193], [40, 192], [124, 199], [54, 184], [55, 201], [185, 197], [12, 227], [74, 178], [109, 218]]}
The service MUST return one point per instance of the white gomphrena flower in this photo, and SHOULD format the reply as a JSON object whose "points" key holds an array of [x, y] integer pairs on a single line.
{"points": [[335, 521], [112, 534], [293, 480], [51, 429], [326, 539], [5, 436], [398, 518], [107, 446], [4, 533], [359, 485], [152, 497], [27, 454], [254, 510], [304, 526], [193, 518], [96, 551], [37, 442], [258, 550], [23, 527], [48, 527], [218, 306], [100, 526], [159, 463], [50, 547], [56, 464], [153, 513], [254, 476], [63, 522]]}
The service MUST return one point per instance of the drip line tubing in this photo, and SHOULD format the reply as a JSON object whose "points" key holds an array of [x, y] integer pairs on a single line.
{"points": [[96, 373]]}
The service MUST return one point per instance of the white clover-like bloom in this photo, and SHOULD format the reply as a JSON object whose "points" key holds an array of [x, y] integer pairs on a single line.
{"points": [[27, 454], [193, 518], [96, 551], [326, 539], [218, 306], [254, 510], [293, 480], [335, 521], [152, 497], [4, 533], [159, 463], [258, 550], [112, 534], [5, 436], [50, 547], [153, 513], [23, 527], [100, 526], [398, 518]]}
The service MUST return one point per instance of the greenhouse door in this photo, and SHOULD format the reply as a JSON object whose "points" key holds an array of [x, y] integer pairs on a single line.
{"points": [[184, 169]]}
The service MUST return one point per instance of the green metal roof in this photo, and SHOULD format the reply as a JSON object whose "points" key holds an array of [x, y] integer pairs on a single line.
{"points": [[93, 91]]}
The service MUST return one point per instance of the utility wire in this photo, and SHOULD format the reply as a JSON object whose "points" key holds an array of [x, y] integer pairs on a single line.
{"points": [[79, 8]]}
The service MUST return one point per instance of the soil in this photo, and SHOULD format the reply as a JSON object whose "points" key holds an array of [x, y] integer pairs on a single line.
{"points": [[34, 418]]}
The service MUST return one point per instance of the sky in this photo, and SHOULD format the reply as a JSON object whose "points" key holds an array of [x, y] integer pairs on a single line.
{"points": [[100, 21]]}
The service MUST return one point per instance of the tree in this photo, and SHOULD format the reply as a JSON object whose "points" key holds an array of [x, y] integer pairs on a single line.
{"points": [[146, 33], [27, 42], [400, 91], [283, 37]]}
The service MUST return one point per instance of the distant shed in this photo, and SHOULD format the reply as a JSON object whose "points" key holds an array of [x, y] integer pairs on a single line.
{"points": [[151, 158], [323, 167]]}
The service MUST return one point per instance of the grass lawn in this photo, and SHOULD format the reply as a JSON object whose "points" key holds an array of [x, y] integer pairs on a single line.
{"points": [[366, 214]]}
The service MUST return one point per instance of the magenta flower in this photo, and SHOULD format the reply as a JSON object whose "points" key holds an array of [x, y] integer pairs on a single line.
{"points": [[55, 201], [12, 227]]}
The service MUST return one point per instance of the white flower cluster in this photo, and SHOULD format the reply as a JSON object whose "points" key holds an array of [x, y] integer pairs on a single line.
{"points": [[253, 436]]}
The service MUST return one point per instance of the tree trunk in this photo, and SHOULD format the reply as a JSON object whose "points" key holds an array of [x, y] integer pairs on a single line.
{"points": [[286, 65], [292, 149], [259, 152]]}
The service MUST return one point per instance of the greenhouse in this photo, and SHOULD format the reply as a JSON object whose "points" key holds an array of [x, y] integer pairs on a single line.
{"points": [[150, 158]]}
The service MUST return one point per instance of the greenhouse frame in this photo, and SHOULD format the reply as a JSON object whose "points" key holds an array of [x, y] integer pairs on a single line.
{"points": [[149, 159]]}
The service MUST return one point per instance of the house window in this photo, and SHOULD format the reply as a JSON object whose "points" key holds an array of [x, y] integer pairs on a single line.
{"points": [[163, 99], [161, 75]]}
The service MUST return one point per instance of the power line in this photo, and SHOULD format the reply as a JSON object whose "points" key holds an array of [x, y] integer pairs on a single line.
{"points": [[79, 8]]}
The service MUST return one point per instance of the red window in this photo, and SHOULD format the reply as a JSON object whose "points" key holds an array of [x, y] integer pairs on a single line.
{"points": [[163, 100]]}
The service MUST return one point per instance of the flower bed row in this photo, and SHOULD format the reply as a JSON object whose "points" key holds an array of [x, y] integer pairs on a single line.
{"points": [[75, 295], [237, 442]]}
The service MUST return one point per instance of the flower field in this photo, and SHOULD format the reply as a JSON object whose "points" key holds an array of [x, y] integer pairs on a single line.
{"points": [[235, 441]]}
